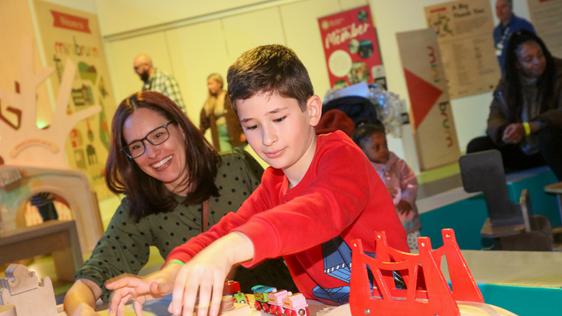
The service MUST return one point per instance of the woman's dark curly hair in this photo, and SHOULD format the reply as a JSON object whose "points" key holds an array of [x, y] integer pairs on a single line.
{"points": [[147, 195], [513, 85]]}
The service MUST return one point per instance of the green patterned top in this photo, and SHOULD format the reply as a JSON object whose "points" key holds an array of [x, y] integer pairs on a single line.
{"points": [[124, 247]]}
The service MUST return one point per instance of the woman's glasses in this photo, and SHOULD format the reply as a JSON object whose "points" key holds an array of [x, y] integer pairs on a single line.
{"points": [[155, 137]]}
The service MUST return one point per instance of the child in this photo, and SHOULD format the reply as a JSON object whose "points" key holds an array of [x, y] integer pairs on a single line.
{"points": [[398, 177], [309, 206]]}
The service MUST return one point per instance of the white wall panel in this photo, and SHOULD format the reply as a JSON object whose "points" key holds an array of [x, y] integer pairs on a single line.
{"points": [[300, 22], [118, 16], [248, 30], [196, 51], [350, 4]]}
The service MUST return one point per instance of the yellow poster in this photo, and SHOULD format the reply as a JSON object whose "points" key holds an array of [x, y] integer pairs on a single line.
{"points": [[464, 33], [72, 35]]}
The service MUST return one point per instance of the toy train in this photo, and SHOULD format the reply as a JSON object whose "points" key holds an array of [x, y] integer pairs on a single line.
{"points": [[279, 303], [269, 300], [233, 288]]}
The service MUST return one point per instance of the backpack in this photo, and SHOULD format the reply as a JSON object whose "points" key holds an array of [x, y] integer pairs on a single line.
{"points": [[359, 109]]}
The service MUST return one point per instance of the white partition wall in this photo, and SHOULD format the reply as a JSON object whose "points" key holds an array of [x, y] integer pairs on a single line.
{"points": [[196, 51]]}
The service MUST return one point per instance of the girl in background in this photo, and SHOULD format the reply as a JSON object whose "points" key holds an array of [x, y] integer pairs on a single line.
{"points": [[398, 177]]}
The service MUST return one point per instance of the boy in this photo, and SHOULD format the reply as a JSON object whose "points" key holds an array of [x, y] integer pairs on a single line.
{"points": [[398, 177], [308, 208]]}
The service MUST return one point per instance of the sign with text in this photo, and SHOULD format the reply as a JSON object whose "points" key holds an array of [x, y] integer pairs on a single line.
{"points": [[430, 111], [351, 48], [72, 35], [464, 33], [547, 19]]}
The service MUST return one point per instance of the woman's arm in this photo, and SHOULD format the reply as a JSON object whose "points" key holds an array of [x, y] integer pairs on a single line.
{"points": [[81, 298], [496, 118], [123, 248]]}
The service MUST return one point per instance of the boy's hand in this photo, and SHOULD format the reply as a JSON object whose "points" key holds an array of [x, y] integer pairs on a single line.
{"points": [[404, 207], [200, 282], [131, 287]]}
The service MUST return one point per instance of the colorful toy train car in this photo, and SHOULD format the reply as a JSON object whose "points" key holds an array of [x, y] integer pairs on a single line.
{"points": [[279, 303], [233, 288]]}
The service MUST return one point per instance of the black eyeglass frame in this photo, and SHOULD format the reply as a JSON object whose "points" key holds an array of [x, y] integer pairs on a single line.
{"points": [[125, 149]]}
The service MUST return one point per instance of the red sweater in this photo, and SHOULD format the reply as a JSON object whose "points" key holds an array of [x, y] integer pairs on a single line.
{"points": [[340, 198]]}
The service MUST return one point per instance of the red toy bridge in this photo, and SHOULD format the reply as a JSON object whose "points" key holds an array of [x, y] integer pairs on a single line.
{"points": [[426, 291]]}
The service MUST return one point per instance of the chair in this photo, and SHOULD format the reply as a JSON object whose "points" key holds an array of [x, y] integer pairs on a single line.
{"points": [[511, 225]]}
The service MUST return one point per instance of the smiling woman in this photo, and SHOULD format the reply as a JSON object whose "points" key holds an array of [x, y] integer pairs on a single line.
{"points": [[168, 172], [525, 120]]}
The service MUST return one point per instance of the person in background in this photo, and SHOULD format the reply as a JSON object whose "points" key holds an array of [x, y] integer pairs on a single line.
{"points": [[509, 23], [308, 208], [399, 178], [525, 120], [172, 180], [44, 203], [156, 80], [217, 114]]}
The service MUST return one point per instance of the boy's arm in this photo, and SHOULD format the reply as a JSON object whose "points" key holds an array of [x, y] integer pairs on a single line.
{"points": [[192, 247], [319, 211], [201, 280]]}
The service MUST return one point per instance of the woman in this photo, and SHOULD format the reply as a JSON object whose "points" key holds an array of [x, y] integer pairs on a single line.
{"points": [[525, 120], [170, 175], [217, 115]]}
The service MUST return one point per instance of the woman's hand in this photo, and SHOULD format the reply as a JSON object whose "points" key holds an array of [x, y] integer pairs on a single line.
{"points": [[138, 289], [200, 282], [80, 300], [513, 133]]}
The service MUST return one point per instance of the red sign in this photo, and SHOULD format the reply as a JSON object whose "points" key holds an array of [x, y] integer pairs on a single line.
{"points": [[351, 48], [70, 22]]}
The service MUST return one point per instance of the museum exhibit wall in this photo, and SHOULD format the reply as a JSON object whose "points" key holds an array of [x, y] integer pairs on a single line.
{"points": [[191, 39]]}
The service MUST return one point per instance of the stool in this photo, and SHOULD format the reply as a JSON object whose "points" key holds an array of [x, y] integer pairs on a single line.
{"points": [[58, 238]]}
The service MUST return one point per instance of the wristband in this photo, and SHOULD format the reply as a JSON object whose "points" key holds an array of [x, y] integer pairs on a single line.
{"points": [[527, 128], [177, 261]]}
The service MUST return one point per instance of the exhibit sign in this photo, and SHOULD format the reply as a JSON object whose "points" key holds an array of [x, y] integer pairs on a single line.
{"points": [[351, 48], [69, 35], [464, 34], [547, 20], [430, 110]]}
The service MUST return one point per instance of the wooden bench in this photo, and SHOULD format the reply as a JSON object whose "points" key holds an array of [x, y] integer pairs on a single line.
{"points": [[58, 238]]}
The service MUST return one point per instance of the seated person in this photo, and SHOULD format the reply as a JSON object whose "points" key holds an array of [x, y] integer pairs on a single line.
{"points": [[525, 120], [308, 208], [168, 173], [398, 177]]}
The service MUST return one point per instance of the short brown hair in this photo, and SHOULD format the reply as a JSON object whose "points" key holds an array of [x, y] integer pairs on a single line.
{"points": [[147, 195], [269, 68]]}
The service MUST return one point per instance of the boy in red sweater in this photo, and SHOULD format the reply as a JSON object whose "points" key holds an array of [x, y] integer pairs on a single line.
{"points": [[319, 193]]}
